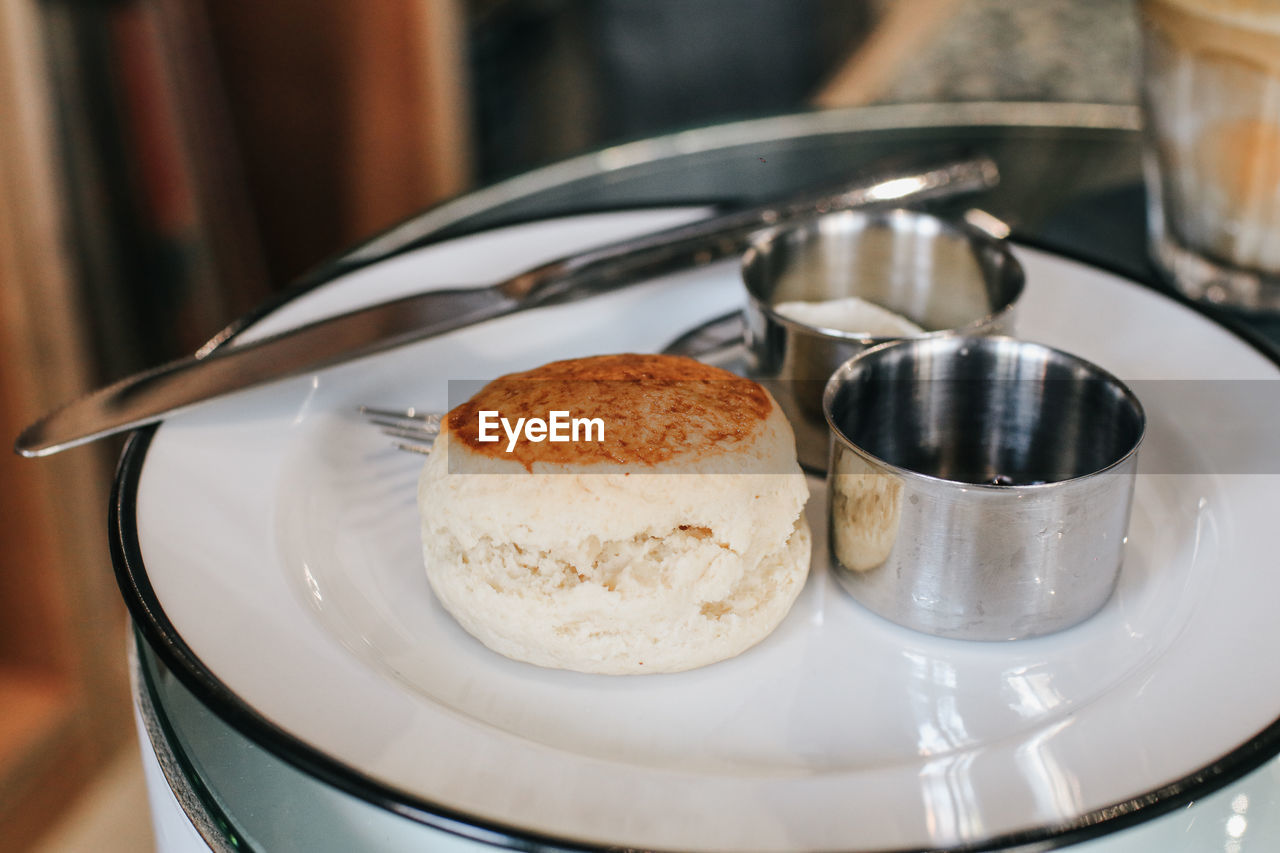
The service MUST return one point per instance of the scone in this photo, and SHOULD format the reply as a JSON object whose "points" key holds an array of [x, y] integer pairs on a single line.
{"points": [[676, 541]]}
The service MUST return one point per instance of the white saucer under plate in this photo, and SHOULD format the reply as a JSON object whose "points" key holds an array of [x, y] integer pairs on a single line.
{"points": [[268, 544]]}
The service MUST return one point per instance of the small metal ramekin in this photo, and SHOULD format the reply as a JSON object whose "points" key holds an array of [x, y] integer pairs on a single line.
{"points": [[979, 487], [945, 276]]}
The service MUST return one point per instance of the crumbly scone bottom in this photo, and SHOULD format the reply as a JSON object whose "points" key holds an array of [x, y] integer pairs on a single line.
{"points": [[651, 604]]}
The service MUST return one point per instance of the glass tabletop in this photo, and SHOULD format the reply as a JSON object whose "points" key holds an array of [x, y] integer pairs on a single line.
{"points": [[1071, 183]]}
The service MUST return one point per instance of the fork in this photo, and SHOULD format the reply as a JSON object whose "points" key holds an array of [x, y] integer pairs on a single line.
{"points": [[414, 431]]}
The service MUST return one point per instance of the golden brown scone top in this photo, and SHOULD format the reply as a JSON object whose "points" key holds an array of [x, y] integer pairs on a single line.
{"points": [[654, 408]]}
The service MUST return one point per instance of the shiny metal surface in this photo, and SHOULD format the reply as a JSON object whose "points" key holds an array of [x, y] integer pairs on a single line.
{"points": [[215, 371], [979, 487], [945, 276]]}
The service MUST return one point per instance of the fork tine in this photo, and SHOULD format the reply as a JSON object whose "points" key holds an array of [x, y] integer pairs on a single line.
{"points": [[413, 448], [409, 433], [410, 413], [410, 418]]}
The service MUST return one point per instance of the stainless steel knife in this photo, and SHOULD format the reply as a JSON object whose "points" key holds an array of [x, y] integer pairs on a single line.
{"points": [[218, 370]]}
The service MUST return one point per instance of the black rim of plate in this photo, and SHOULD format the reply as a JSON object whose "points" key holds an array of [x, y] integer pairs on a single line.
{"points": [[165, 640]]}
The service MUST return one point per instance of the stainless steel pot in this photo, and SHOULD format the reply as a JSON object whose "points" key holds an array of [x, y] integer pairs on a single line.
{"points": [[979, 487], [945, 276]]}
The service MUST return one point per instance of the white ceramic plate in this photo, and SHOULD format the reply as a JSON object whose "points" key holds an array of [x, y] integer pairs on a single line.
{"points": [[276, 567]]}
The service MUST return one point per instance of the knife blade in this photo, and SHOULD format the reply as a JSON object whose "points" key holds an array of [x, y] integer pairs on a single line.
{"points": [[218, 370]]}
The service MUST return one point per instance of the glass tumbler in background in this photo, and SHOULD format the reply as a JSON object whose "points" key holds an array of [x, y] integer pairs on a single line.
{"points": [[1211, 93]]}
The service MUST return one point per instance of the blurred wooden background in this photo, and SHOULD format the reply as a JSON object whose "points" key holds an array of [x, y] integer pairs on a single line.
{"points": [[164, 165], [63, 700]]}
